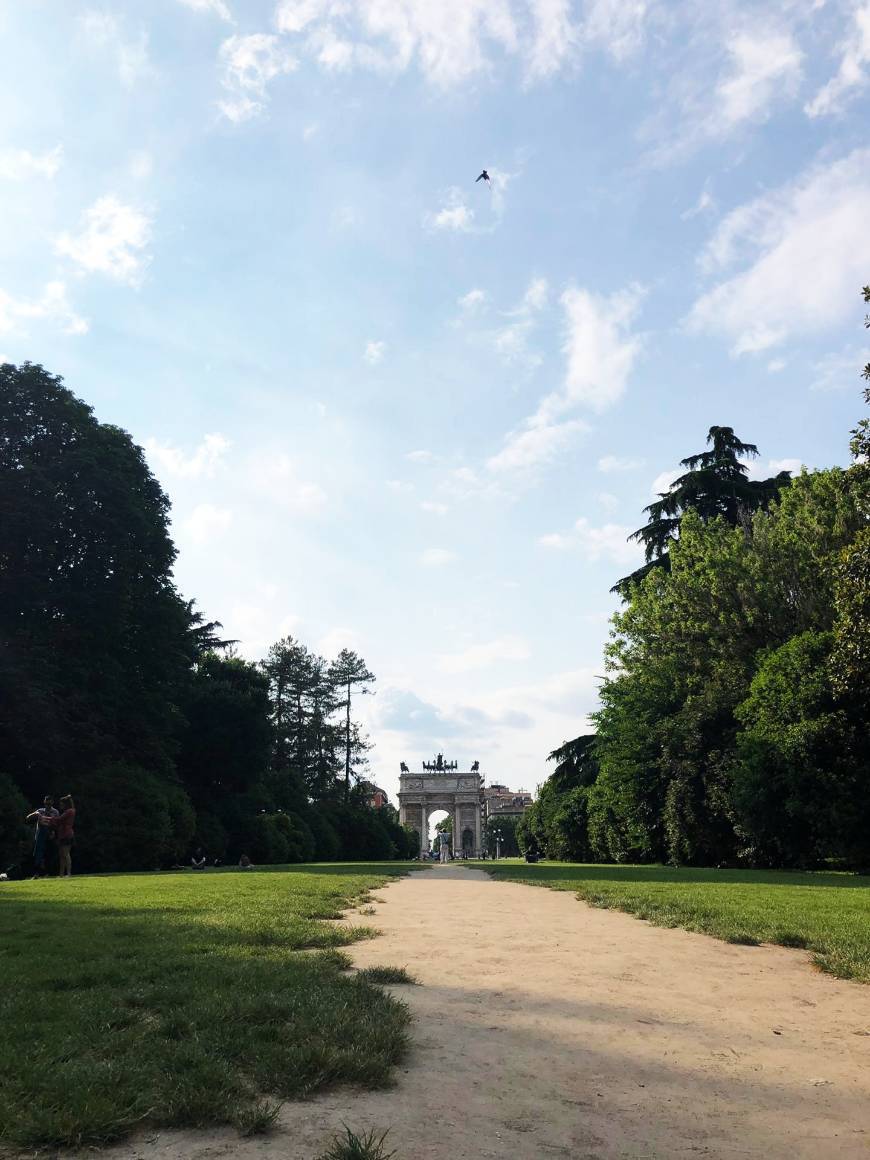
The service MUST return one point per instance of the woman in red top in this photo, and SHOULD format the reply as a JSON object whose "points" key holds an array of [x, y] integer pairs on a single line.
{"points": [[63, 828]]}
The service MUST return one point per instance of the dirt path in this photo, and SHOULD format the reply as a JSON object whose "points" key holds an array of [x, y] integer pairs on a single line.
{"points": [[547, 1028]]}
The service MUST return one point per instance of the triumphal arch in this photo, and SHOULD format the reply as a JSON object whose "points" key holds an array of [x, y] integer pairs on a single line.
{"points": [[441, 785]]}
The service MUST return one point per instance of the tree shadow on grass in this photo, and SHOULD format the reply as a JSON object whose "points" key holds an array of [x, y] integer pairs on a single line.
{"points": [[552, 874]]}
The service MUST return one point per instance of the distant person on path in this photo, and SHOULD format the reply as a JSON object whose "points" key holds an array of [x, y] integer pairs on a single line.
{"points": [[42, 835], [64, 828], [198, 859]]}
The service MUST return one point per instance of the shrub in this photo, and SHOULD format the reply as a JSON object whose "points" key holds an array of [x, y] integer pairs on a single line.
{"points": [[14, 837]]}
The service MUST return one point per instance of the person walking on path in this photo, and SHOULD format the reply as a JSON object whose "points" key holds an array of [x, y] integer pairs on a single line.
{"points": [[64, 828], [42, 835]]}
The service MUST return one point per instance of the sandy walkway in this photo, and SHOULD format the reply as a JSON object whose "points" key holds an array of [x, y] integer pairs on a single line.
{"points": [[547, 1028]]}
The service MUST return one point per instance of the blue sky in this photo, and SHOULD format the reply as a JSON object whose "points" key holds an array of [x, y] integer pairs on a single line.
{"points": [[401, 411]]}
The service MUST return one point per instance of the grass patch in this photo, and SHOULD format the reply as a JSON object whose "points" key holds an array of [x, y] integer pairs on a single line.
{"points": [[387, 976], [369, 1146], [827, 914], [180, 999]]}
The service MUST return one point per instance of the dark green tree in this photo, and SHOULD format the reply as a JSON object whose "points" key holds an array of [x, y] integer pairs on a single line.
{"points": [[348, 672], [95, 642], [715, 485]]}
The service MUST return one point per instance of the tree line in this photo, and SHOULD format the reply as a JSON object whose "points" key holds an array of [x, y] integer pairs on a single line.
{"points": [[734, 714], [115, 688]]}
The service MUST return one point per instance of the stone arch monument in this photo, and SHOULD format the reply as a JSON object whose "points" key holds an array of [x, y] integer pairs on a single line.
{"points": [[441, 785]]}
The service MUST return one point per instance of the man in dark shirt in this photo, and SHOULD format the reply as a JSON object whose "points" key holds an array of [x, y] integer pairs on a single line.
{"points": [[43, 835]]}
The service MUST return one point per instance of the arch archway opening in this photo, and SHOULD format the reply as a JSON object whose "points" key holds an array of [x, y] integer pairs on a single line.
{"points": [[435, 819]]}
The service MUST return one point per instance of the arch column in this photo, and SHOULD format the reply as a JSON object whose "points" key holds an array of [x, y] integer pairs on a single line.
{"points": [[424, 831]]}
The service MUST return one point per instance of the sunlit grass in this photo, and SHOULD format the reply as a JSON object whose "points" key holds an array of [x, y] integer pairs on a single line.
{"points": [[827, 914], [183, 999]]}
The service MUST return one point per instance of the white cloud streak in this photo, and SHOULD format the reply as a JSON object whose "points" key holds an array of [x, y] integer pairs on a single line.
{"points": [[808, 248], [203, 463], [436, 557], [374, 352], [483, 656], [104, 31], [52, 306], [112, 241], [248, 64], [852, 75], [217, 7], [22, 165]]}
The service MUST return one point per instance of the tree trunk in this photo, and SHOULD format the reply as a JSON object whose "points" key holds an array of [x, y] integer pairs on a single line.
{"points": [[347, 749]]}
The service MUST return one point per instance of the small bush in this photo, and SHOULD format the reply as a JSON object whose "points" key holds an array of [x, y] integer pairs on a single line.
{"points": [[386, 976], [368, 1146]]}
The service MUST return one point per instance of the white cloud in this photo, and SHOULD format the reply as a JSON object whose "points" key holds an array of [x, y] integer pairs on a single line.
{"points": [[704, 202], [248, 64], [218, 7], [533, 446], [472, 301], [454, 40], [617, 26], [725, 79], [296, 15], [775, 466], [421, 456], [206, 523], [141, 164], [438, 509], [600, 348], [809, 248], [22, 165], [536, 295], [556, 540], [52, 306], [776, 365], [609, 542], [437, 557], [374, 352], [112, 241], [454, 214], [664, 479], [202, 463], [103, 30], [511, 341], [611, 463], [759, 469], [332, 642], [554, 39], [310, 131], [852, 75], [836, 372], [483, 656], [763, 67], [276, 477], [607, 502], [400, 486]]}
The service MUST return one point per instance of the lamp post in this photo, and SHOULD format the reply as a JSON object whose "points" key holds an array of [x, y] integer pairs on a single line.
{"points": [[497, 835]]}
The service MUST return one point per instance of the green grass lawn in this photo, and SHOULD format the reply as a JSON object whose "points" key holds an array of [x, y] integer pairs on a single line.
{"points": [[183, 999], [828, 914]]}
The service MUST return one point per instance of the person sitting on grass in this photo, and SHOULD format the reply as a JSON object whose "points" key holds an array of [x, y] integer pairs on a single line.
{"points": [[198, 859], [245, 863]]}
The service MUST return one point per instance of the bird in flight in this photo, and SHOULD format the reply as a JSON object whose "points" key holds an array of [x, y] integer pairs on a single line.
{"points": [[483, 177]]}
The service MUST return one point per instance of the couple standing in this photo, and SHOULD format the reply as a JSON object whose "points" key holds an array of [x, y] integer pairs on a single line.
{"points": [[57, 825]]}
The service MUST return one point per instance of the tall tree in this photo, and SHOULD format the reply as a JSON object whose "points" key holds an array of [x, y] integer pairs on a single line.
{"points": [[95, 642], [715, 484], [348, 672]]}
